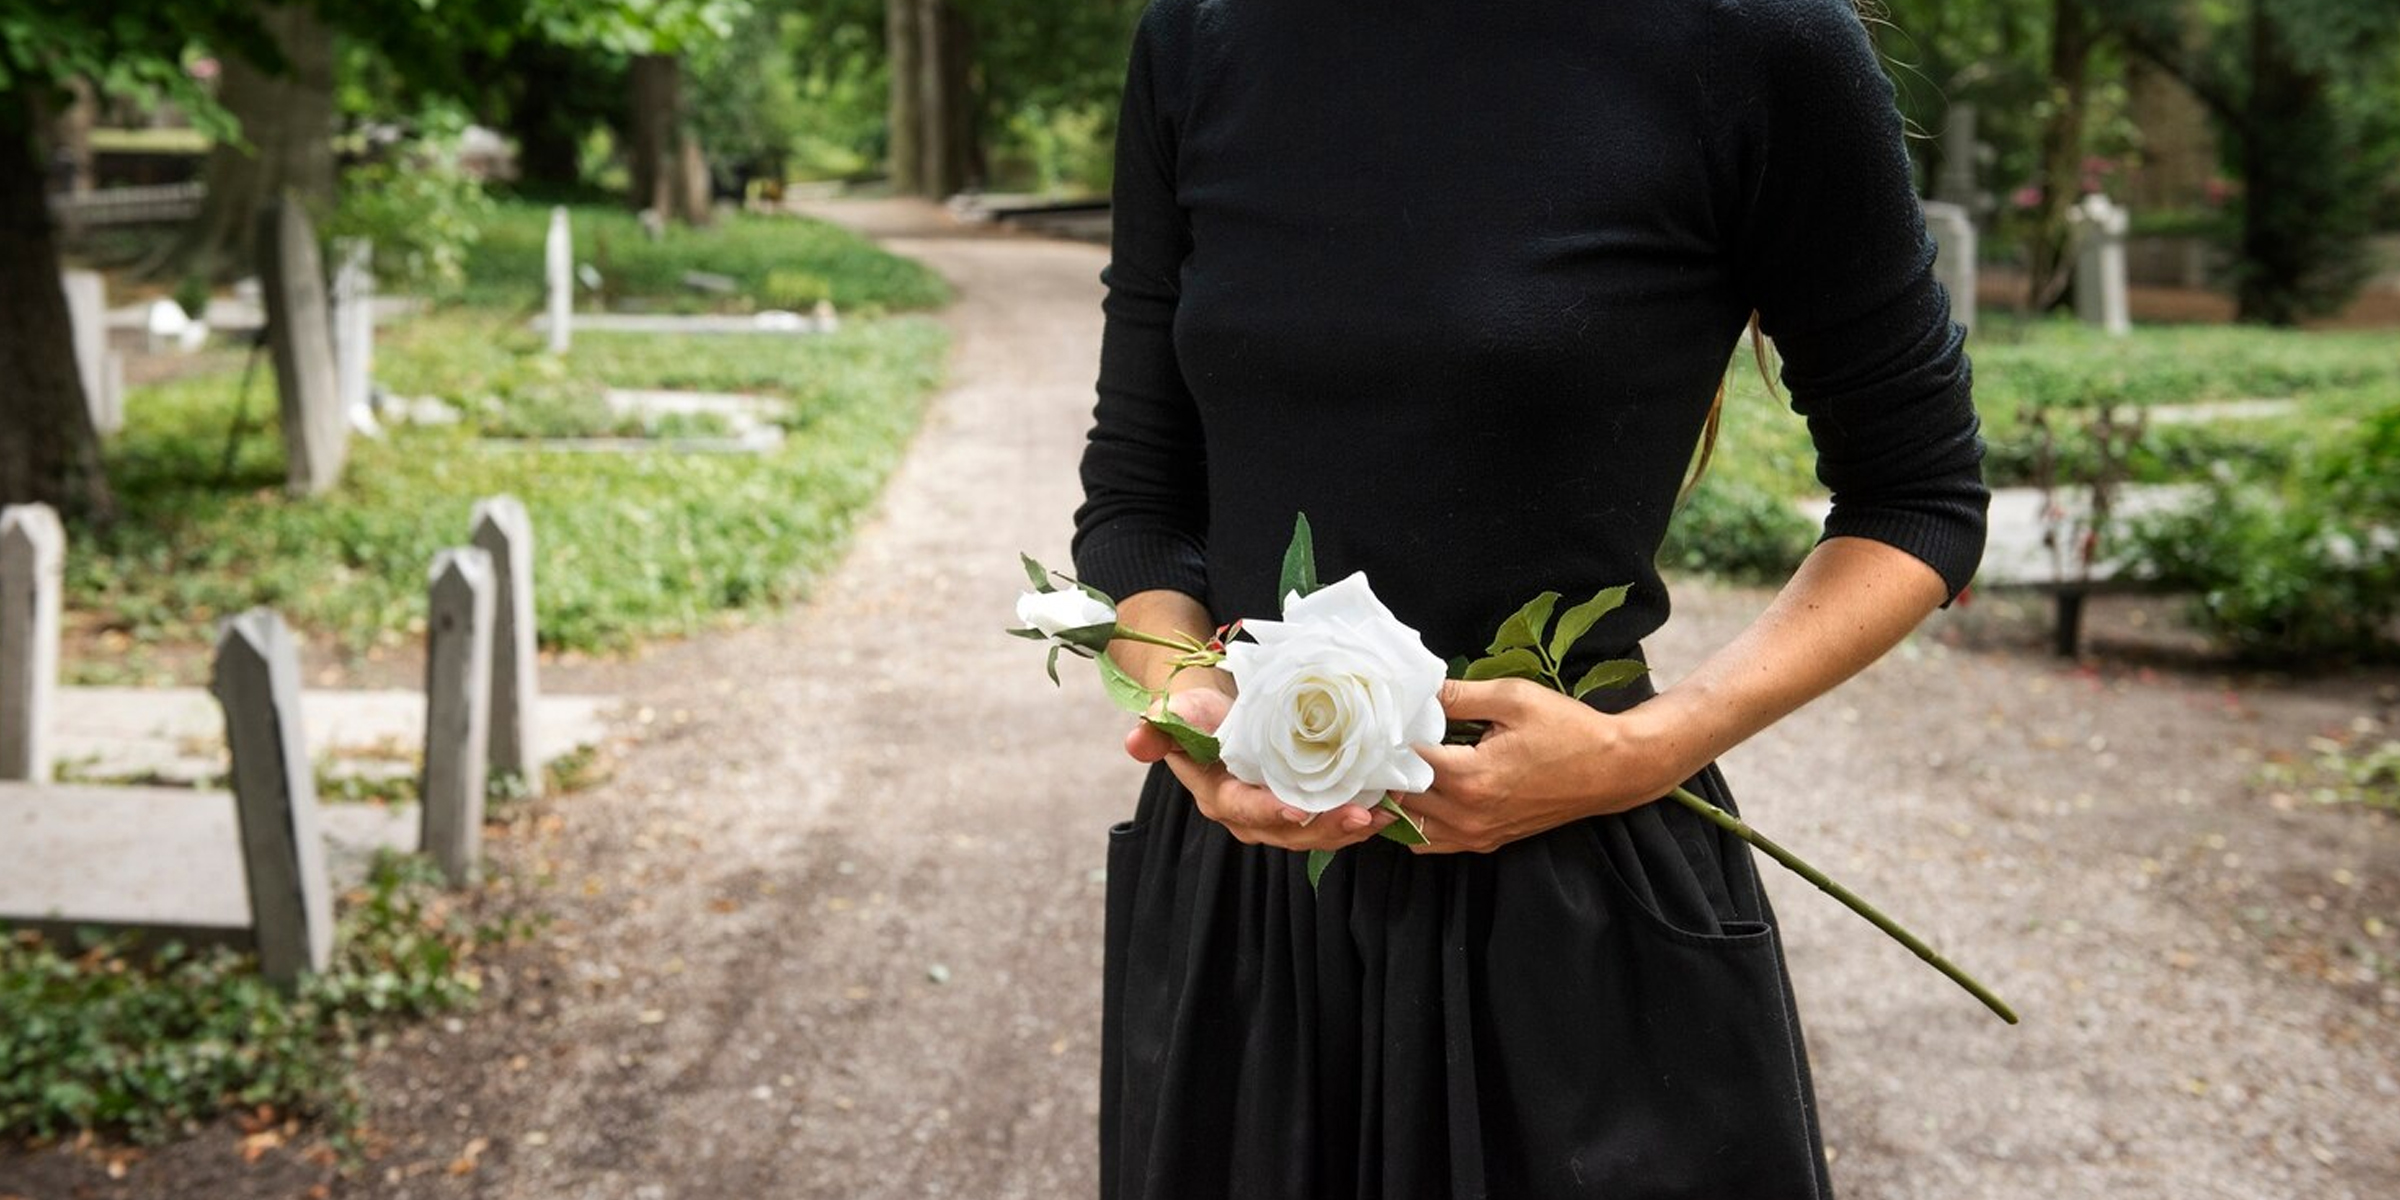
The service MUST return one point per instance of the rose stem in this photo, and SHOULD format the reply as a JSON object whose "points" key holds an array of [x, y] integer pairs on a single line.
{"points": [[1799, 866], [1136, 635]]}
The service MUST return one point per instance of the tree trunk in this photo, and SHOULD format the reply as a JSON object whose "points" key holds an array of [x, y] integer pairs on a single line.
{"points": [[287, 123], [657, 105], [49, 451], [2300, 224], [960, 100], [904, 146], [2061, 153], [547, 128]]}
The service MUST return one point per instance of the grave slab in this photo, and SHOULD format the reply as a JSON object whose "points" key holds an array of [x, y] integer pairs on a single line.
{"points": [[156, 858]]}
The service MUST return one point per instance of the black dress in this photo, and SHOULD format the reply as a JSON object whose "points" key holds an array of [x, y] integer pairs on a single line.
{"points": [[1458, 280]]}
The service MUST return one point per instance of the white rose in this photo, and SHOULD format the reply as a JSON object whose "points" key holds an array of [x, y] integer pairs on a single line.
{"points": [[1053, 613], [1332, 702]]}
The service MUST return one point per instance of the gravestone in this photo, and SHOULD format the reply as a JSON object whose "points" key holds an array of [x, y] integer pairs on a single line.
{"points": [[1955, 184], [558, 258], [257, 682], [32, 569], [458, 692], [503, 531], [1953, 229], [2100, 298], [87, 316], [354, 328], [316, 431]]}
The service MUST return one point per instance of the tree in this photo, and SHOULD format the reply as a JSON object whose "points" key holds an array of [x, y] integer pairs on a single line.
{"points": [[49, 450], [283, 104], [2294, 85]]}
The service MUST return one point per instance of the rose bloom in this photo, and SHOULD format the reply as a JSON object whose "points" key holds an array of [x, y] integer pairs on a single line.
{"points": [[1332, 702], [1068, 608]]}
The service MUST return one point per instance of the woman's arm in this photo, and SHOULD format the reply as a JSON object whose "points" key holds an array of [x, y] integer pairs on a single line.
{"points": [[1549, 759]]}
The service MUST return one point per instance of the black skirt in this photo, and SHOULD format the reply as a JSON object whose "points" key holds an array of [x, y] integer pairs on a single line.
{"points": [[1601, 1010]]}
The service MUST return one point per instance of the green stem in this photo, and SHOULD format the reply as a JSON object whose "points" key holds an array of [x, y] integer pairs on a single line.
{"points": [[1187, 645], [1741, 829]]}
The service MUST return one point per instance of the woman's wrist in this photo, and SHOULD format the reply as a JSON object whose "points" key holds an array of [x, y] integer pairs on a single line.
{"points": [[1657, 748]]}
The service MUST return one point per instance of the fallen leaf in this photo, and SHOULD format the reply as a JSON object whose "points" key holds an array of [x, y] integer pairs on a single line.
{"points": [[255, 1146]]}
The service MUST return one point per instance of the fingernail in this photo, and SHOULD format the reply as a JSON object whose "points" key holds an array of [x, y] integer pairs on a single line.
{"points": [[1295, 816]]}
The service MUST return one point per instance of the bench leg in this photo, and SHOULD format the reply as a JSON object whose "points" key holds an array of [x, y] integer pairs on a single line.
{"points": [[2070, 624]]}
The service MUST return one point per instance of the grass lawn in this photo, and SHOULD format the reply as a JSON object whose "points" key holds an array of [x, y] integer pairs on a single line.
{"points": [[628, 546], [1738, 524]]}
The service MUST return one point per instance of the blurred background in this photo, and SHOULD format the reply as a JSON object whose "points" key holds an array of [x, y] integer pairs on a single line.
{"points": [[675, 352]]}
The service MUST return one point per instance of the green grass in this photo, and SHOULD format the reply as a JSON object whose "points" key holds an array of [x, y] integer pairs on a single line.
{"points": [[1736, 525], [775, 262], [627, 546]]}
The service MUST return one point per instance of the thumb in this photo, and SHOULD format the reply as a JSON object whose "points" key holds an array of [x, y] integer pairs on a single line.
{"points": [[1484, 699]]}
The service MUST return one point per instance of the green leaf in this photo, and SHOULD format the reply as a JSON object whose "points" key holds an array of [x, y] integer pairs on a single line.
{"points": [[1052, 666], [1617, 672], [1197, 743], [1525, 628], [1031, 635], [1126, 691], [1458, 666], [1405, 831], [1519, 663], [1318, 860], [1035, 572], [1577, 621], [1299, 561]]}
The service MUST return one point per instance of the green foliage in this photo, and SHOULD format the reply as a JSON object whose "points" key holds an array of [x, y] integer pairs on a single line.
{"points": [[420, 210], [504, 267], [100, 1038], [2302, 565]]}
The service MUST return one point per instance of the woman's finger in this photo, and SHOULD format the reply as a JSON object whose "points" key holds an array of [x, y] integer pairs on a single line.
{"points": [[1147, 743], [1484, 699]]}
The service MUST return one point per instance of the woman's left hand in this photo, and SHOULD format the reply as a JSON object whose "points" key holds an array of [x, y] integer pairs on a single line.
{"points": [[1546, 759]]}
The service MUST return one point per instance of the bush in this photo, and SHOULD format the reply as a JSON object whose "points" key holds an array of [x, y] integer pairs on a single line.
{"points": [[2308, 566], [1734, 528]]}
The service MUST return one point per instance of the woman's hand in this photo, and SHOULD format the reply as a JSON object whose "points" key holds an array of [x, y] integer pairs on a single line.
{"points": [[1546, 759], [1250, 812]]}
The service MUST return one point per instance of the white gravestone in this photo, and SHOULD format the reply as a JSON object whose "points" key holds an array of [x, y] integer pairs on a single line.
{"points": [[1953, 232], [2100, 264], [316, 432], [32, 569], [257, 682], [354, 329], [503, 531], [87, 317], [458, 692], [558, 257]]}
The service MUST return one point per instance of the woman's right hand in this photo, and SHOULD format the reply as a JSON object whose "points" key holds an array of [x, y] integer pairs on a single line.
{"points": [[1250, 812]]}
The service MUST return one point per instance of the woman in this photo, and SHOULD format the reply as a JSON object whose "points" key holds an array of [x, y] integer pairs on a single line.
{"points": [[1458, 280]]}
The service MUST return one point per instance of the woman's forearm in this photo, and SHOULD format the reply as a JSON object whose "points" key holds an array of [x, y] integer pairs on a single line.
{"points": [[1165, 613], [1852, 600]]}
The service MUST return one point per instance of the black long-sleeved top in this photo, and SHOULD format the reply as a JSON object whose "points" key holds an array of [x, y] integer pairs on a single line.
{"points": [[1459, 279]]}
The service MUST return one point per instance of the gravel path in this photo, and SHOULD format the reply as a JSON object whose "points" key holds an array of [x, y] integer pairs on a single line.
{"points": [[833, 929]]}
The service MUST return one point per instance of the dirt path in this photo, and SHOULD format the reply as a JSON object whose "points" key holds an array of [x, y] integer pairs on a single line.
{"points": [[833, 929]]}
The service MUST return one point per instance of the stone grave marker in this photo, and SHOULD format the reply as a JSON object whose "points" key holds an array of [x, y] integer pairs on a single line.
{"points": [[316, 430], [558, 257], [354, 329], [2100, 299], [257, 682], [1953, 229], [87, 316], [503, 531], [458, 692], [32, 569]]}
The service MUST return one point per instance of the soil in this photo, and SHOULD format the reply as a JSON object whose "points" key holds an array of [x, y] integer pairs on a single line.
{"points": [[833, 927]]}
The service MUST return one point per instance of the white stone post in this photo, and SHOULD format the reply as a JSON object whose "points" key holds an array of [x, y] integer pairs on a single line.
{"points": [[1953, 229], [316, 432], [2100, 299], [257, 682], [558, 255], [458, 691], [354, 328], [87, 316], [32, 567], [503, 531]]}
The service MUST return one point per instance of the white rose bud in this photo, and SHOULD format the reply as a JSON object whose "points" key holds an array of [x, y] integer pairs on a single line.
{"points": [[1052, 613], [1332, 702]]}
